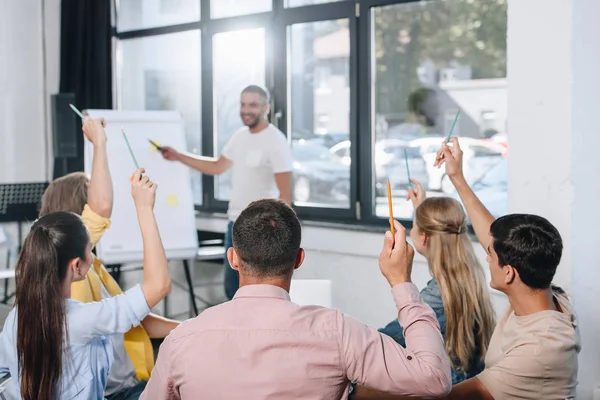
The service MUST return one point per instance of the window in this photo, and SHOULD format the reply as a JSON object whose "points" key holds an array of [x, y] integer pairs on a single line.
{"points": [[238, 61], [139, 14], [430, 59], [232, 8], [298, 3], [318, 86], [363, 97], [161, 73]]}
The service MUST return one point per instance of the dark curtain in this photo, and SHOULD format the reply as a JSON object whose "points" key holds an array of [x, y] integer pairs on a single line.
{"points": [[85, 60]]}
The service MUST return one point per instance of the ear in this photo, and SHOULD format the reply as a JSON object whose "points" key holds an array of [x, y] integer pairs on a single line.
{"points": [[77, 270], [510, 274], [233, 259], [424, 239], [299, 258]]}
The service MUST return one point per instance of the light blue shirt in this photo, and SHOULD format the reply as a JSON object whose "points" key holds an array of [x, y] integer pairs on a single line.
{"points": [[87, 361]]}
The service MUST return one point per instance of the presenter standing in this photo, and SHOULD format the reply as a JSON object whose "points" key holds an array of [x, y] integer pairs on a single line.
{"points": [[261, 163]]}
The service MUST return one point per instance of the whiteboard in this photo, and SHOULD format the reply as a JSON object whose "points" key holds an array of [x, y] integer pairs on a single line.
{"points": [[174, 208]]}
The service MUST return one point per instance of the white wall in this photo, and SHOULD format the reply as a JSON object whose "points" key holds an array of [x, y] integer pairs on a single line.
{"points": [[554, 137], [28, 75], [24, 136]]}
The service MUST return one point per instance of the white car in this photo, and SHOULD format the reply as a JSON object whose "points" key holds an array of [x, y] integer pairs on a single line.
{"points": [[478, 156]]}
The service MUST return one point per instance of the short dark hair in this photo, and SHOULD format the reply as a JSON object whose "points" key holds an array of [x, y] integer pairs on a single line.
{"points": [[266, 237], [262, 92], [529, 243]]}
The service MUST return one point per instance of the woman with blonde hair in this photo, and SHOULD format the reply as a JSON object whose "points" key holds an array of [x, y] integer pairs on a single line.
{"points": [[458, 292]]}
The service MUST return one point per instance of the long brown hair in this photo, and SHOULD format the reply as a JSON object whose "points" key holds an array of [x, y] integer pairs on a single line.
{"points": [[67, 193], [54, 240], [470, 317]]}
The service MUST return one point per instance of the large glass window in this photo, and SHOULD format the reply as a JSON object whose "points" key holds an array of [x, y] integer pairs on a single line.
{"points": [[140, 14], [161, 73], [362, 96], [238, 61], [319, 91], [430, 59]]}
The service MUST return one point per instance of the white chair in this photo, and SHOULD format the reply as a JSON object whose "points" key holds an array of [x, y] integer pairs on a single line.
{"points": [[311, 292]]}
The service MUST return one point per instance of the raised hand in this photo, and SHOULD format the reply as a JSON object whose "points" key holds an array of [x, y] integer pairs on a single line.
{"points": [[416, 194], [453, 159], [396, 258], [143, 190], [94, 129], [169, 153]]}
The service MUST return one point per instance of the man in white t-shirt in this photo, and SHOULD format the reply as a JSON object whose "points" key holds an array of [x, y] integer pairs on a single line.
{"points": [[261, 163]]}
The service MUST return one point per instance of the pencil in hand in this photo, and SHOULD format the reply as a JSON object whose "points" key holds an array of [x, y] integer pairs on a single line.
{"points": [[441, 155], [389, 190]]}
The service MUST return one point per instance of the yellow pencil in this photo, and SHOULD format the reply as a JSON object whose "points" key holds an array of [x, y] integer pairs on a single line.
{"points": [[389, 187]]}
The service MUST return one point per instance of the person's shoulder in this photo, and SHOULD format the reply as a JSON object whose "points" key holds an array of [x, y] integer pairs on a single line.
{"points": [[274, 132], [432, 295], [243, 131]]}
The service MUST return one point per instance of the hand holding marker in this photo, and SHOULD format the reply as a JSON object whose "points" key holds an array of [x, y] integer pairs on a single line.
{"points": [[76, 111]]}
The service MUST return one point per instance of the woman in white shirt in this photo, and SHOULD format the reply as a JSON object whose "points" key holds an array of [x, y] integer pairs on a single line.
{"points": [[61, 348]]}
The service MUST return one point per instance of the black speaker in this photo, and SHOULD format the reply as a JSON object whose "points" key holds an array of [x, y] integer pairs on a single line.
{"points": [[66, 125]]}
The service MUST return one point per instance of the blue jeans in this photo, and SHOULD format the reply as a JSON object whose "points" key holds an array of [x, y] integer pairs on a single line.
{"points": [[232, 278], [132, 393]]}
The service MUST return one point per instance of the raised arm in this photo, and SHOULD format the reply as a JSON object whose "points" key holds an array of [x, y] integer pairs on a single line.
{"points": [[375, 360], [481, 218], [206, 165], [100, 188], [157, 279]]}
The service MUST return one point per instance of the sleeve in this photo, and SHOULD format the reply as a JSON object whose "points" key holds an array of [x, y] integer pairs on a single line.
{"points": [[160, 385], [281, 156], [229, 149], [96, 224], [376, 361], [514, 373], [108, 317]]}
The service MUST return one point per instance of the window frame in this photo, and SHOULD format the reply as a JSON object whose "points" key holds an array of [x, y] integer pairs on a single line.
{"points": [[359, 14]]}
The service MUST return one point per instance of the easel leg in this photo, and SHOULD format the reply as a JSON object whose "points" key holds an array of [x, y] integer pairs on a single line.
{"points": [[188, 277]]}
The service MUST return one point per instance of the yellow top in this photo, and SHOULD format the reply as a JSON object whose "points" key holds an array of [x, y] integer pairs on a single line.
{"points": [[137, 341]]}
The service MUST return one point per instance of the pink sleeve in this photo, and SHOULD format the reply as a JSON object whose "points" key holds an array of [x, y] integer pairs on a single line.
{"points": [[160, 385], [376, 361]]}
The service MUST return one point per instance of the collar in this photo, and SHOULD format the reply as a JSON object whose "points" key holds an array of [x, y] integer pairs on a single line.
{"points": [[269, 291]]}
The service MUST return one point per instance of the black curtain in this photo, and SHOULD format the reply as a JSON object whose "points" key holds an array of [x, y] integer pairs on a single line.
{"points": [[86, 60]]}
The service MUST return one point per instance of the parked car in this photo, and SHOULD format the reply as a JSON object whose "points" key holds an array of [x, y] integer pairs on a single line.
{"points": [[478, 156], [390, 163], [491, 188], [327, 139], [319, 175]]}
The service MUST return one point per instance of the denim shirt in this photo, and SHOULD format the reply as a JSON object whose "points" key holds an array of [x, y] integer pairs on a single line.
{"points": [[88, 353], [432, 295]]}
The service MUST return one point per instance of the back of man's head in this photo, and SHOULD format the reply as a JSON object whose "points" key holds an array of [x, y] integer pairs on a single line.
{"points": [[266, 237], [530, 244]]}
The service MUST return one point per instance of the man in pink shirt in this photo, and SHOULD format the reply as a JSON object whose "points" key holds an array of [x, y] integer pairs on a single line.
{"points": [[260, 345]]}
